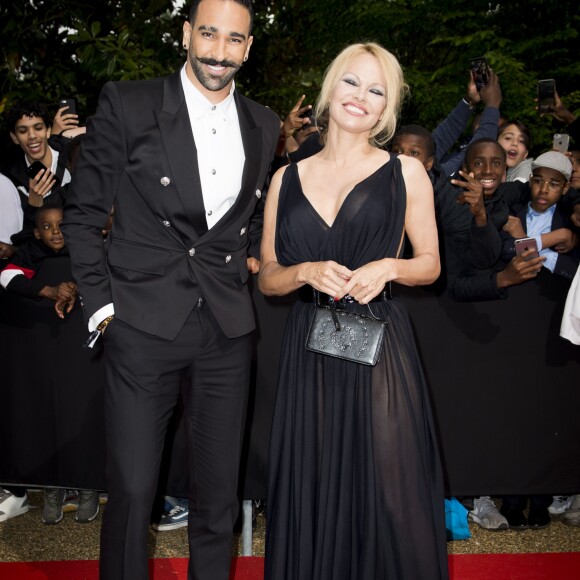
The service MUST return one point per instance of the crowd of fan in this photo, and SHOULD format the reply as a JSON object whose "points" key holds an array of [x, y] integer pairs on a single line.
{"points": [[489, 193]]}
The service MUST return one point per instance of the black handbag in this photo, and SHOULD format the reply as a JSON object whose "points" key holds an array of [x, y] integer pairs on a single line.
{"points": [[346, 335]]}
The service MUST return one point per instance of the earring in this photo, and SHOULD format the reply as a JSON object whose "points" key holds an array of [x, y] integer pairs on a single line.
{"points": [[245, 58], [184, 45]]}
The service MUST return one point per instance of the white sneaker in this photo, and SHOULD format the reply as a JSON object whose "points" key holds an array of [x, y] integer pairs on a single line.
{"points": [[12, 506], [572, 516], [560, 504], [487, 515]]}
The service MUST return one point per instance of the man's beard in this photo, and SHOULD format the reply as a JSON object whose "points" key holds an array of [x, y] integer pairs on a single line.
{"points": [[209, 81]]}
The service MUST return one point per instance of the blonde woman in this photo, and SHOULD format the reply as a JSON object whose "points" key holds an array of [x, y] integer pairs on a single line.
{"points": [[355, 489]]}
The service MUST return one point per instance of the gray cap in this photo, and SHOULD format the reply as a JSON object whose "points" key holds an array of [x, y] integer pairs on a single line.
{"points": [[554, 160]]}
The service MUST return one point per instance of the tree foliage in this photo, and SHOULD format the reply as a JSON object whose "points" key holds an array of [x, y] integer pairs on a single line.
{"points": [[61, 48]]}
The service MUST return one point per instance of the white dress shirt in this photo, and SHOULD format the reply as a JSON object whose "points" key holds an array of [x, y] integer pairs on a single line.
{"points": [[538, 223], [65, 177], [220, 151]]}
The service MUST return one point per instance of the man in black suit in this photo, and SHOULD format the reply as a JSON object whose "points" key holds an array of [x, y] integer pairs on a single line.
{"points": [[183, 159]]}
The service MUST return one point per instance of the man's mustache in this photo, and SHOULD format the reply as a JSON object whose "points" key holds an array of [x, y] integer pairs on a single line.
{"points": [[214, 62]]}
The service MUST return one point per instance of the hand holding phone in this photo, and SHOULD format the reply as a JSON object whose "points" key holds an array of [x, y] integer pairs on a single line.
{"points": [[479, 71], [40, 183], [34, 169], [70, 104], [561, 142], [546, 95], [524, 245]]}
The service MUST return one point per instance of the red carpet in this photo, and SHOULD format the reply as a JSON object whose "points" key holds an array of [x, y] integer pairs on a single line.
{"points": [[553, 566]]}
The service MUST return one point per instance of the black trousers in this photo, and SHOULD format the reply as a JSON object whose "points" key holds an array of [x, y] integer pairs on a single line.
{"points": [[144, 374], [521, 501]]}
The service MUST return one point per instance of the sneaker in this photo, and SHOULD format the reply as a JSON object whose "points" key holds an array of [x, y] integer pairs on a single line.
{"points": [[88, 506], [71, 501], [487, 515], [560, 504], [572, 516], [53, 502], [172, 520], [12, 506]]}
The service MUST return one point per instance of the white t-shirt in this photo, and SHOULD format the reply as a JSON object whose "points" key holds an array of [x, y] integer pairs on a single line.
{"points": [[10, 210]]}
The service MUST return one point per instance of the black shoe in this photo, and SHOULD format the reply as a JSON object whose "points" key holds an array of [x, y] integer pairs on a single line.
{"points": [[515, 517], [539, 518]]}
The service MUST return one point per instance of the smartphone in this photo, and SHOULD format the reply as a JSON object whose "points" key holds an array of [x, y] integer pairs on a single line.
{"points": [[480, 71], [561, 142], [70, 103], [523, 244], [34, 169], [546, 95]]}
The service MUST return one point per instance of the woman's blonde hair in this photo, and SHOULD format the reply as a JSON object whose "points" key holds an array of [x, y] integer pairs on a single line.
{"points": [[396, 89]]}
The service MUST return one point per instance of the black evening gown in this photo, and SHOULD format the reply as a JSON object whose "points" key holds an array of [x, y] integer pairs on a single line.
{"points": [[355, 488]]}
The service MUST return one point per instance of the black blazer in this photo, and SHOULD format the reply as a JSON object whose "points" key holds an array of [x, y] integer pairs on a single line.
{"points": [[139, 154]]}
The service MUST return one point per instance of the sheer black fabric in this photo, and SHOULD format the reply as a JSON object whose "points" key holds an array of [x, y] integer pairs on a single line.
{"points": [[355, 488]]}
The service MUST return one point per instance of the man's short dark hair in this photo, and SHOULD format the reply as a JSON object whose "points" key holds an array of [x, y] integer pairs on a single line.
{"points": [[247, 4], [474, 144], [27, 109], [418, 131]]}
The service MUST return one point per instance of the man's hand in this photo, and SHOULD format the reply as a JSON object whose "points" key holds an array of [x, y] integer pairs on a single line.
{"points": [[491, 93], [64, 296], [514, 227], [39, 186], [66, 290], [63, 121], [559, 111], [472, 196], [63, 307], [472, 94], [567, 240], [519, 270], [293, 120]]}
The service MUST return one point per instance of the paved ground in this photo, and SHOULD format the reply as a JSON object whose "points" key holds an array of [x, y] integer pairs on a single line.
{"points": [[25, 538]]}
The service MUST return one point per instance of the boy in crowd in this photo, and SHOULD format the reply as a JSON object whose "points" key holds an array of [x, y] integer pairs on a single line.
{"points": [[29, 124], [19, 277], [486, 161], [465, 231], [542, 219]]}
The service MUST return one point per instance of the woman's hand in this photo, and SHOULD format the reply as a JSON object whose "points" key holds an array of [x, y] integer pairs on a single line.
{"points": [[328, 277], [369, 280]]}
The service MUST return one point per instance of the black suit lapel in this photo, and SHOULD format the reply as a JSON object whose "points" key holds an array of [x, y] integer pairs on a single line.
{"points": [[252, 140], [175, 128]]}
